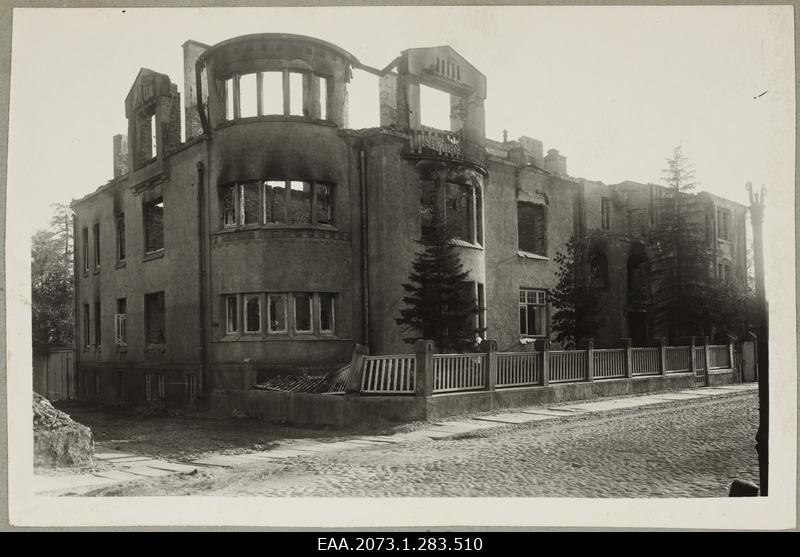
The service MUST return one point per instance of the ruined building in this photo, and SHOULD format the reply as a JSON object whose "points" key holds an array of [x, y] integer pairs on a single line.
{"points": [[272, 238]]}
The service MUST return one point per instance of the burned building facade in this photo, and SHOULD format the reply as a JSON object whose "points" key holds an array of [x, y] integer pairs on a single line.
{"points": [[272, 238]]}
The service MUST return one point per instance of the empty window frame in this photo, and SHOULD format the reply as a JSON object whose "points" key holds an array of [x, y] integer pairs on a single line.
{"points": [[323, 98], [532, 312], [87, 339], [434, 108], [532, 228], [296, 107], [598, 269], [120, 229], [252, 313], [326, 312], [276, 308], [605, 213], [153, 136], [271, 93], [248, 96], [160, 384], [154, 318], [723, 224], [120, 323], [459, 212], [302, 313], [97, 327], [96, 240], [154, 225], [427, 205], [724, 271], [85, 243], [231, 314], [230, 96], [277, 202], [300, 203]]}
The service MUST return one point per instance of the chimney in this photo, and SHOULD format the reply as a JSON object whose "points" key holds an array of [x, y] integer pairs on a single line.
{"points": [[120, 155], [505, 136], [555, 163]]}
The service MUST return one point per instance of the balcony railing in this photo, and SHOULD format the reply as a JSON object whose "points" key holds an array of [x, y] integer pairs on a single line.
{"points": [[446, 145]]}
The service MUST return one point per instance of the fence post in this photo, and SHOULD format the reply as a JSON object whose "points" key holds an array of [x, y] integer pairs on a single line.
{"points": [[628, 344], [545, 363], [353, 385], [424, 354], [490, 348], [588, 345], [731, 363], [693, 364], [662, 353], [706, 364]]}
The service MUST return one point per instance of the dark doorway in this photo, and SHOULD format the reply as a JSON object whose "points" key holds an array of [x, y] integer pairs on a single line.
{"points": [[637, 328]]}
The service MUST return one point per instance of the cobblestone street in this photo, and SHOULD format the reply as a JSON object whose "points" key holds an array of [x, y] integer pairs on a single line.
{"points": [[685, 448]]}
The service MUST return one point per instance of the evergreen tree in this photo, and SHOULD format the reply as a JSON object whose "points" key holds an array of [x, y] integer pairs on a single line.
{"points": [[576, 301], [52, 281], [440, 306], [681, 258]]}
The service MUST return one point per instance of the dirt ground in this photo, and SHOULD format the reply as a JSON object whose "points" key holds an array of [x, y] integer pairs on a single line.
{"points": [[183, 436]]}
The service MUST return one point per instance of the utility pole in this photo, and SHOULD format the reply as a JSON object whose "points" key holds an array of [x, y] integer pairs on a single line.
{"points": [[762, 332]]}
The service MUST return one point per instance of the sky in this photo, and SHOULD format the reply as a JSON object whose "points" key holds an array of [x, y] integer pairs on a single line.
{"points": [[614, 89]]}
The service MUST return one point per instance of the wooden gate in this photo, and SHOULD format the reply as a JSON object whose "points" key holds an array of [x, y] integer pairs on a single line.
{"points": [[62, 380], [748, 361]]}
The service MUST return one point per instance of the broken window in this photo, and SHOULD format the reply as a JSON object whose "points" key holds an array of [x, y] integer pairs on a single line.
{"points": [[323, 98], [229, 99], [97, 325], [252, 321], [228, 202], [324, 194], [434, 108], [532, 228], [427, 205], [120, 220], [296, 94], [271, 93], [251, 203], [300, 207], [154, 225], [275, 202], [120, 323], [479, 215], [154, 318], [481, 310], [723, 224], [277, 313], [302, 313], [605, 217], [459, 211], [326, 313], [153, 136], [724, 271], [85, 241], [532, 312], [96, 239], [248, 96], [86, 326], [231, 314], [598, 268]]}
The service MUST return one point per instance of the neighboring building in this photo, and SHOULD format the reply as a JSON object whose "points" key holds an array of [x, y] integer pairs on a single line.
{"points": [[273, 239]]}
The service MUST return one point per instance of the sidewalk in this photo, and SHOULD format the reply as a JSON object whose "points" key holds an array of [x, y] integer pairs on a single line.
{"points": [[124, 467]]}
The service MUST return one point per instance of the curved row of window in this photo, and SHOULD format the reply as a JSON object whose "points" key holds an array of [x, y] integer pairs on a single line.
{"points": [[460, 205], [282, 313], [277, 202], [282, 92]]}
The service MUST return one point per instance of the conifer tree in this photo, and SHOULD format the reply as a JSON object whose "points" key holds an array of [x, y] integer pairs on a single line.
{"points": [[680, 255], [440, 306], [576, 301]]}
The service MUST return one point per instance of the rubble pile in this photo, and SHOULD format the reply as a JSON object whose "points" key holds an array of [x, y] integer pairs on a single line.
{"points": [[58, 440]]}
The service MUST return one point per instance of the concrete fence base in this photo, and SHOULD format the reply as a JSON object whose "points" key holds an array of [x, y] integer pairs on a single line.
{"points": [[352, 409]]}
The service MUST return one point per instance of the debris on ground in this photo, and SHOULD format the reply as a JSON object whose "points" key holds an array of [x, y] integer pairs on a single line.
{"points": [[58, 440], [332, 383]]}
